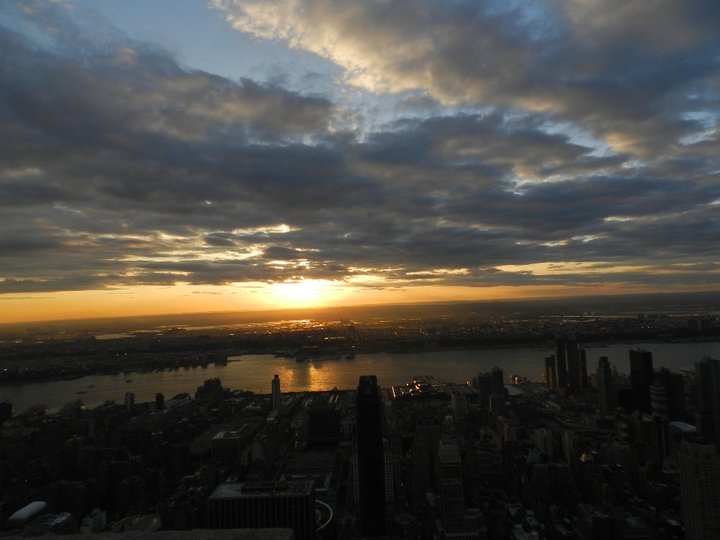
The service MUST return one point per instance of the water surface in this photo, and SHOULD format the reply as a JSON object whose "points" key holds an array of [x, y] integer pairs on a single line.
{"points": [[254, 372]]}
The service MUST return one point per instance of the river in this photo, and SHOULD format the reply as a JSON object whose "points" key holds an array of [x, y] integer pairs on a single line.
{"points": [[254, 372]]}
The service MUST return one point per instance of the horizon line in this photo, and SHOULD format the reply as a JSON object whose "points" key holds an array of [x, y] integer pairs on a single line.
{"points": [[315, 309]]}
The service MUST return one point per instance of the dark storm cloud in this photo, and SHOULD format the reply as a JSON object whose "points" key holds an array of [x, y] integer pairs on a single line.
{"points": [[489, 147], [13, 243], [283, 253], [219, 240], [76, 283], [526, 136]]}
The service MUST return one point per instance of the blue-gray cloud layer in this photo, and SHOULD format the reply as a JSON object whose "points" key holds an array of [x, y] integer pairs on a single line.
{"points": [[578, 135]]}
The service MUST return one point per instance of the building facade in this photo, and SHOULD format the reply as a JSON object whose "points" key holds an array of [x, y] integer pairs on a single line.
{"points": [[255, 505], [370, 457], [700, 489]]}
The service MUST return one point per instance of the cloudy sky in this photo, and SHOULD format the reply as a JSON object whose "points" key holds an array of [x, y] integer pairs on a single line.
{"points": [[186, 155]]}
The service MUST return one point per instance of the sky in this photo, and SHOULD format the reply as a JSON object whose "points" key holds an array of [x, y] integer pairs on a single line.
{"points": [[229, 155]]}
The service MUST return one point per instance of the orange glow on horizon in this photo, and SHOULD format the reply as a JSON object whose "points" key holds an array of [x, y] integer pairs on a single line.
{"points": [[184, 298]]}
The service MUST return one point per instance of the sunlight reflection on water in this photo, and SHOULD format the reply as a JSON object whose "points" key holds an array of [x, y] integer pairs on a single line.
{"points": [[254, 372]]}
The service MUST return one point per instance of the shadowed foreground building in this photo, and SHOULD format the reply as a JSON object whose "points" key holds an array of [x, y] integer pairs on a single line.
{"points": [[707, 386], [700, 489], [566, 371], [424, 450], [264, 504], [550, 377], [607, 399], [195, 534], [641, 377], [455, 521], [667, 396], [275, 396], [560, 365], [596, 524], [370, 457]]}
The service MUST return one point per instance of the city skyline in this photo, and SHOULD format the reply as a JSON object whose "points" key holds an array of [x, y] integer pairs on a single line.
{"points": [[190, 156]]}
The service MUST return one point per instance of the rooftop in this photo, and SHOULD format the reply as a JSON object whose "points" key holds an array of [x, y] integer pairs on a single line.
{"points": [[196, 534], [230, 490]]}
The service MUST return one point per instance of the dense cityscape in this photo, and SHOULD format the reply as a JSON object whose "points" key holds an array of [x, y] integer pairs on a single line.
{"points": [[629, 451]]}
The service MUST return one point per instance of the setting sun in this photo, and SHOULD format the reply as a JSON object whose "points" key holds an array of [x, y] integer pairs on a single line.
{"points": [[305, 293]]}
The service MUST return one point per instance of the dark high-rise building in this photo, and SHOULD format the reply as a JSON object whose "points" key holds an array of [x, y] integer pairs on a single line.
{"points": [[129, 402], [574, 372], [626, 399], [550, 378], [370, 457], [606, 387], [449, 482], [707, 405], [324, 419], [560, 364], [6, 411], [459, 405], [159, 401], [227, 446], [276, 393], [484, 386], [672, 393], [497, 381], [700, 489], [424, 449], [641, 377], [583, 369], [497, 404], [658, 401], [568, 366]]}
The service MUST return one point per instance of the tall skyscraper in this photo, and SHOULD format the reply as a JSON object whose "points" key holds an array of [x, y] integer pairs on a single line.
{"points": [[560, 364], [129, 402], [6, 411], [700, 489], [497, 381], [707, 404], [276, 393], [583, 369], [449, 483], [424, 448], [568, 366], [370, 457], [606, 386], [550, 378], [323, 415], [574, 372], [658, 401], [641, 377], [672, 393], [484, 386]]}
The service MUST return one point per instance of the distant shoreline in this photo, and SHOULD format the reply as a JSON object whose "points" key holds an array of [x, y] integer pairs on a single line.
{"points": [[182, 360]]}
